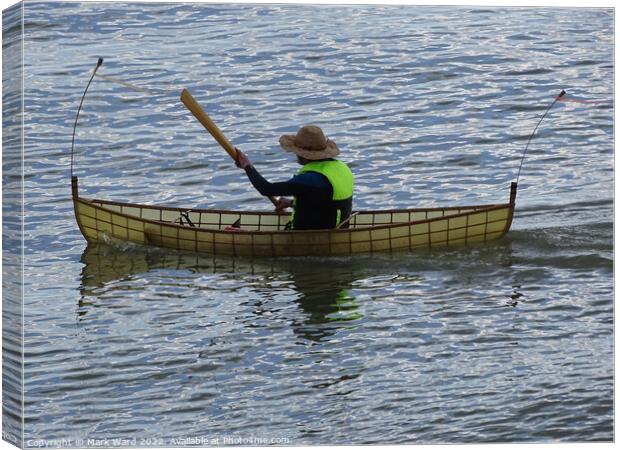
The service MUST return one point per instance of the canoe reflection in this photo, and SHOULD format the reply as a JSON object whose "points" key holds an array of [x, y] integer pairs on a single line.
{"points": [[321, 287]]}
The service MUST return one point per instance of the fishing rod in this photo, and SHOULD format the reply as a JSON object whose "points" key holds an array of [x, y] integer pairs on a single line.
{"points": [[134, 87], [533, 132], [99, 62]]}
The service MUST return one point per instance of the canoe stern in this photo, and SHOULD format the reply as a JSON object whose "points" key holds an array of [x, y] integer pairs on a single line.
{"points": [[511, 205], [77, 210]]}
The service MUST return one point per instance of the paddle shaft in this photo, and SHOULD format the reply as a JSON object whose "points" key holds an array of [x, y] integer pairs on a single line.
{"points": [[193, 106], [348, 219]]}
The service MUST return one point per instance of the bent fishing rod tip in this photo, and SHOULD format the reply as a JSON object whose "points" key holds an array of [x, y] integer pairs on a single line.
{"points": [[562, 93], [99, 62]]}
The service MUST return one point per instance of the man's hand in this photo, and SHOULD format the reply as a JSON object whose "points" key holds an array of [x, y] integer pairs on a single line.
{"points": [[242, 161], [283, 203]]}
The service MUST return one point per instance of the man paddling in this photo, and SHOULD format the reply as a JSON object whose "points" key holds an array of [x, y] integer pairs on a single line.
{"points": [[322, 190]]}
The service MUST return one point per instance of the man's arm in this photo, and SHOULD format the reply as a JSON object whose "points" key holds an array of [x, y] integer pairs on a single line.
{"points": [[295, 186]]}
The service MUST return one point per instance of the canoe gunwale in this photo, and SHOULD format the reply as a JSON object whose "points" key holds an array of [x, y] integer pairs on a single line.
{"points": [[273, 213]]}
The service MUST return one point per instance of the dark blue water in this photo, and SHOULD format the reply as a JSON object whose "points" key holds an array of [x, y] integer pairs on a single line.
{"points": [[509, 342]]}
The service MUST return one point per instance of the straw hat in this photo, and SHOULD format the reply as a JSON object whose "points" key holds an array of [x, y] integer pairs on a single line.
{"points": [[309, 143]]}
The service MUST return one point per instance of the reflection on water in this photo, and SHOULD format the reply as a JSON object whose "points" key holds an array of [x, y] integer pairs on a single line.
{"points": [[320, 287], [324, 294]]}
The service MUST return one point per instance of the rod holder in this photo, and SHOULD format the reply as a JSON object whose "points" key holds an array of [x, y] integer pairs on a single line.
{"points": [[74, 186], [513, 192]]}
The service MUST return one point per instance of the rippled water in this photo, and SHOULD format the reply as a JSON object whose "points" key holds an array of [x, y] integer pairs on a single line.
{"points": [[509, 342]]}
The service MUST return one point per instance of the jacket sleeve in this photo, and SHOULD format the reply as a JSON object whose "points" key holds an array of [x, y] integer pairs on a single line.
{"points": [[291, 187]]}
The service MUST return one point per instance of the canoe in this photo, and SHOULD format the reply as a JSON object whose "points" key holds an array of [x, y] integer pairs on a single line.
{"points": [[262, 233]]}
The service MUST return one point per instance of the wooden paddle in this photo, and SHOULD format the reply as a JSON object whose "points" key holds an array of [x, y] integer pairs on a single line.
{"points": [[191, 104]]}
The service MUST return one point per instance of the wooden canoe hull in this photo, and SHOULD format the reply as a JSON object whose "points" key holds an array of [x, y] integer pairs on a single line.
{"points": [[263, 234]]}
